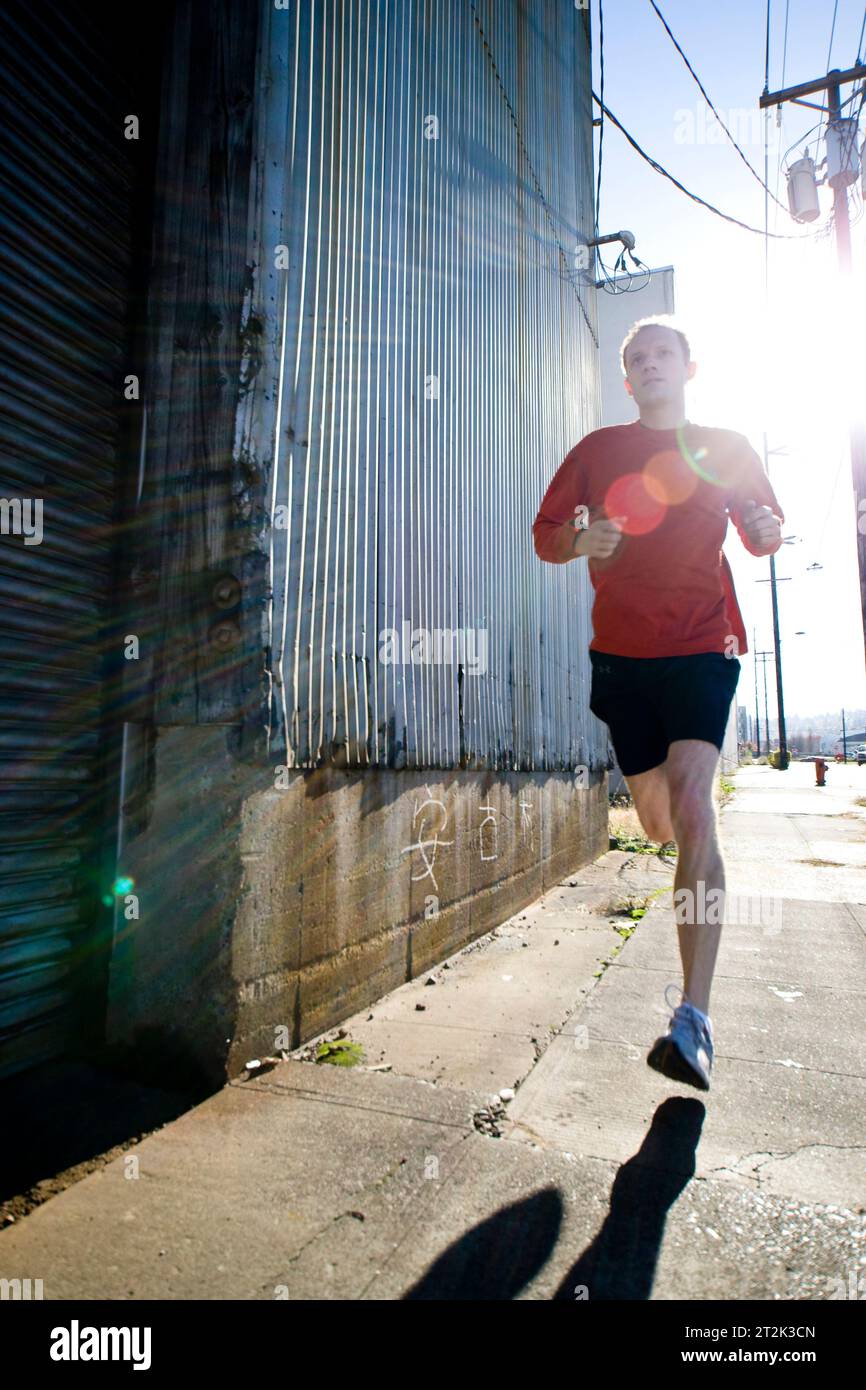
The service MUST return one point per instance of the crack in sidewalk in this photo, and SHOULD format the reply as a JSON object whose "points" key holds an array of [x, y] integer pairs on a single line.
{"points": [[776, 1156]]}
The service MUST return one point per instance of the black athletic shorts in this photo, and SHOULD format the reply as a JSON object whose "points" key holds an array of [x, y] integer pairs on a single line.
{"points": [[649, 702]]}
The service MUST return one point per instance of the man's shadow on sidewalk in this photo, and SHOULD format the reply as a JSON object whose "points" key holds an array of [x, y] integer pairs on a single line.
{"points": [[498, 1258]]}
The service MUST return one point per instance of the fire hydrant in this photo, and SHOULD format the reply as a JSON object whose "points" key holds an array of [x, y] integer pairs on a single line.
{"points": [[820, 772]]}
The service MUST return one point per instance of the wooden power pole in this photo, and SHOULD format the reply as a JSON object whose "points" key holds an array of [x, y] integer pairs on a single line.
{"points": [[831, 84]]}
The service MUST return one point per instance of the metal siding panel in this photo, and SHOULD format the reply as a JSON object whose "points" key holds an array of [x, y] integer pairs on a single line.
{"points": [[64, 207], [200, 365], [408, 259], [304, 414], [291, 451], [391, 521], [328, 397], [64, 253]]}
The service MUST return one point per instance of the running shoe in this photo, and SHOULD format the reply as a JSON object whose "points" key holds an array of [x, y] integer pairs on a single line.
{"points": [[685, 1053]]}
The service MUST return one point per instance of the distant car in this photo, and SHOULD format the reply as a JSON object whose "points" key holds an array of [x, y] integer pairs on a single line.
{"points": [[861, 756]]}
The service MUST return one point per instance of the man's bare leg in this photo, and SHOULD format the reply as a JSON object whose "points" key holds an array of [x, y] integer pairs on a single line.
{"points": [[651, 797], [690, 770]]}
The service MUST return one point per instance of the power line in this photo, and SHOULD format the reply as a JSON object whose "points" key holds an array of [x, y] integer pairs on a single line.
{"points": [[777, 643], [860, 40], [522, 143], [608, 282], [820, 549], [819, 123], [852, 143], [778, 236], [832, 32], [779, 109], [766, 176], [853, 97], [601, 126], [831, 83], [705, 95]]}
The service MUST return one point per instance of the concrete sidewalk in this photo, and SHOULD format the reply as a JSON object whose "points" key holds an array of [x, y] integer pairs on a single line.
{"points": [[323, 1182]]}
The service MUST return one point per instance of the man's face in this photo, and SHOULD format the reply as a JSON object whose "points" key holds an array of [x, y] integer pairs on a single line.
{"points": [[655, 367]]}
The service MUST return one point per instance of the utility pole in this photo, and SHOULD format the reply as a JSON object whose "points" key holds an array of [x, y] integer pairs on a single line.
{"points": [[757, 719], [777, 653], [763, 656], [831, 84], [844, 740], [783, 737], [777, 646]]}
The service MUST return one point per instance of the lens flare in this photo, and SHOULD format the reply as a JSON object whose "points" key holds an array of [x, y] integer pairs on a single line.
{"points": [[629, 497], [692, 459], [668, 478]]}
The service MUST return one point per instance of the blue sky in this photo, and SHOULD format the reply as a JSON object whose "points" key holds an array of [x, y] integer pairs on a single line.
{"points": [[792, 364]]}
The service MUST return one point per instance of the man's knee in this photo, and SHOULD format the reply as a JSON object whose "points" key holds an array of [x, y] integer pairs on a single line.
{"points": [[693, 814], [657, 828], [649, 793]]}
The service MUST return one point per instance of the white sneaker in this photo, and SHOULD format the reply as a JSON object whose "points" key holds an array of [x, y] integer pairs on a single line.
{"points": [[685, 1053]]}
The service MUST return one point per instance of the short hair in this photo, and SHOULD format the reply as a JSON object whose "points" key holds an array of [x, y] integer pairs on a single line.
{"points": [[654, 321]]}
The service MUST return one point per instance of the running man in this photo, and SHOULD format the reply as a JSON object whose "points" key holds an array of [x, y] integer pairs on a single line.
{"points": [[648, 505]]}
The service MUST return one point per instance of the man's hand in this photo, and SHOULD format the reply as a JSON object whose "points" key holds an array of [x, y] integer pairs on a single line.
{"points": [[763, 529], [601, 539]]}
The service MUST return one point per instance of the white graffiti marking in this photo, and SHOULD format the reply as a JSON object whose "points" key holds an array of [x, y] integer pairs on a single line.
{"points": [[526, 820], [489, 820], [430, 844]]}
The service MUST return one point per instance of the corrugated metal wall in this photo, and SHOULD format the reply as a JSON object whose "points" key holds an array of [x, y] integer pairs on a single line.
{"points": [[66, 184], [428, 167]]}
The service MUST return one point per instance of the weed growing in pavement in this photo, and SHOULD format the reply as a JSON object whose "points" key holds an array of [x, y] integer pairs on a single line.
{"points": [[341, 1054]]}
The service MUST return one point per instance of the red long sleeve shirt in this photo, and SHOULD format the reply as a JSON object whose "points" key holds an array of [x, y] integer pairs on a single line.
{"points": [[667, 590]]}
